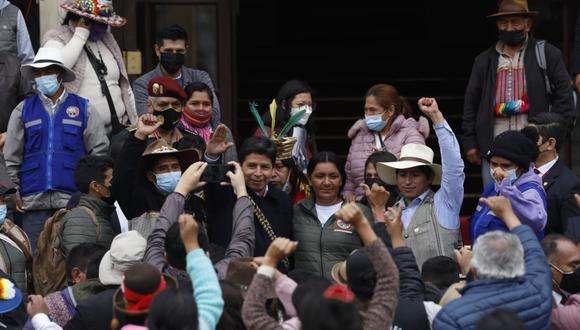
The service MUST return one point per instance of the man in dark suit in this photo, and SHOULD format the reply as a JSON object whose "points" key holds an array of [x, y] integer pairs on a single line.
{"points": [[548, 130]]}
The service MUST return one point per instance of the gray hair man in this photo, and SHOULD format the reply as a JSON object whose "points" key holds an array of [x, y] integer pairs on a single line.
{"points": [[509, 271]]}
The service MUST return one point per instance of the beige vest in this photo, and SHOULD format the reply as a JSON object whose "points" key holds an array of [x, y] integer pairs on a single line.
{"points": [[426, 237]]}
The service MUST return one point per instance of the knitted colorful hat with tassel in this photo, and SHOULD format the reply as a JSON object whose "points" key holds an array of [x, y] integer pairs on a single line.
{"points": [[10, 296]]}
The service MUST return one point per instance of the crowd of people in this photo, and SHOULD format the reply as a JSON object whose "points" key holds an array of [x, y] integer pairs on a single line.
{"points": [[134, 207]]}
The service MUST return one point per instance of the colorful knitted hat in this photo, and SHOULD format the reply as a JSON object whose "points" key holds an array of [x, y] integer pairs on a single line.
{"points": [[97, 10], [10, 296]]}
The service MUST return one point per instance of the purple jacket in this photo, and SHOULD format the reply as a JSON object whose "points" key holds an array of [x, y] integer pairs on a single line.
{"points": [[403, 131]]}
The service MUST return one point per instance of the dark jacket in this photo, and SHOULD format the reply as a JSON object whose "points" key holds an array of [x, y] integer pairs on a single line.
{"points": [[322, 247], [136, 195], [576, 56], [529, 296], [478, 114], [95, 312], [13, 87], [560, 184], [78, 226], [220, 202]]}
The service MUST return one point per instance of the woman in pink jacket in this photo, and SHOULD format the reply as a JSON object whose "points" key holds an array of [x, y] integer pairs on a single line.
{"points": [[387, 126]]}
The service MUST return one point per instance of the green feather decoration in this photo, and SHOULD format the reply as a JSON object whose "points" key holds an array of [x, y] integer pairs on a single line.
{"points": [[254, 111], [291, 122]]}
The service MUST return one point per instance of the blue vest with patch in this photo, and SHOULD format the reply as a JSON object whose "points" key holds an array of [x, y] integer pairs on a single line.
{"points": [[484, 219], [52, 145]]}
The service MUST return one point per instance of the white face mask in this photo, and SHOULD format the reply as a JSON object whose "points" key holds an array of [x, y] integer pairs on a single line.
{"points": [[306, 116]]}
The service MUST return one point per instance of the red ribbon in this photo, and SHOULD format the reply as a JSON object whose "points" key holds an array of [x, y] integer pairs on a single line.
{"points": [[340, 293], [139, 302]]}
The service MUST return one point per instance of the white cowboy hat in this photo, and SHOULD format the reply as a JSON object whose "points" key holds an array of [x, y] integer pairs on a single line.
{"points": [[96, 10], [46, 57], [412, 155]]}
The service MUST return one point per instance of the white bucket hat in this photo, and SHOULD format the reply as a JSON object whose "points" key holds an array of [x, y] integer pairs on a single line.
{"points": [[127, 249], [412, 155], [46, 57]]}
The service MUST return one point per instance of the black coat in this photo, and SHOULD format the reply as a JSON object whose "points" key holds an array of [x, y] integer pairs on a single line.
{"points": [[136, 195], [563, 212], [478, 114], [576, 56], [94, 313], [276, 206]]}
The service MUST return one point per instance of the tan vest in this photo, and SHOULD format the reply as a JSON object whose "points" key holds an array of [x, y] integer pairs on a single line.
{"points": [[426, 237]]}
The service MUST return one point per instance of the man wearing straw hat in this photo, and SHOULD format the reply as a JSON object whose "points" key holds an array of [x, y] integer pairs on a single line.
{"points": [[507, 83], [430, 219], [49, 132]]}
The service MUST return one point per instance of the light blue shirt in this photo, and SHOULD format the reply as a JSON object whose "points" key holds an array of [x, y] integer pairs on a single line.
{"points": [[449, 197]]}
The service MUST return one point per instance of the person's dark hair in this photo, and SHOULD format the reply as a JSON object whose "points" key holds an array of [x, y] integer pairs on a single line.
{"points": [[295, 176], [70, 17], [308, 285], [284, 98], [550, 125], [550, 244], [198, 86], [91, 168], [425, 170], [327, 157], [173, 32], [174, 248], [442, 271], [257, 145], [317, 312], [500, 319], [231, 318], [379, 157], [85, 256], [173, 309], [387, 95]]}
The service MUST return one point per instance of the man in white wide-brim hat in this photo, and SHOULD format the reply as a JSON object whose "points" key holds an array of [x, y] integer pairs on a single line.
{"points": [[47, 133], [430, 219]]}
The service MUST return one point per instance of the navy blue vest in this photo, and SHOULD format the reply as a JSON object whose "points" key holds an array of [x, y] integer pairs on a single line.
{"points": [[52, 145], [484, 220]]}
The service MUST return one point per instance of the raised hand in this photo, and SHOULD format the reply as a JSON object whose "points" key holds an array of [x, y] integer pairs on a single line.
{"points": [[146, 125], [502, 208], [430, 108], [188, 229], [377, 196], [394, 224], [472, 156], [36, 305], [279, 249], [237, 180], [463, 257], [217, 143], [190, 179]]}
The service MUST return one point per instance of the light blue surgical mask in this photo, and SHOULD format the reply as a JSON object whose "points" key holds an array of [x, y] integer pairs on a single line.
{"points": [[166, 182], [375, 123], [3, 211], [47, 85]]}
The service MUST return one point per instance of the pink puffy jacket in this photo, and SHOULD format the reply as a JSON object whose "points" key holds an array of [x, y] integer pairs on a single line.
{"points": [[403, 131], [568, 316]]}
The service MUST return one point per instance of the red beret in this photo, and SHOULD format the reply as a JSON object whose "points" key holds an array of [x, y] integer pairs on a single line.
{"points": [[164, 86]]}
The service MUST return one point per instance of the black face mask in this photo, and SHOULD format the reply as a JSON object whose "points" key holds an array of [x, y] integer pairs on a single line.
{"points": [[170, 118], [571, 282], [172, 62], [512, 38], [370, 181]]}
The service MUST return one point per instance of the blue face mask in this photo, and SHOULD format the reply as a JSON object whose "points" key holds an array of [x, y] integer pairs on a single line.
{"points": [[375, 123], [47, 85], [512, 174], [166, 182], [3, 212]]}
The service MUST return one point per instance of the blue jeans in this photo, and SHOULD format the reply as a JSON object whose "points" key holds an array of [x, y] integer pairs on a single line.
{"points": [[33, 223]]}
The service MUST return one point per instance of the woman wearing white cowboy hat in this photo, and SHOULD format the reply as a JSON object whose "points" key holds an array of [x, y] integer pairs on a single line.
{"points": [[431, 219], [89, 47], [49, 131]]}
